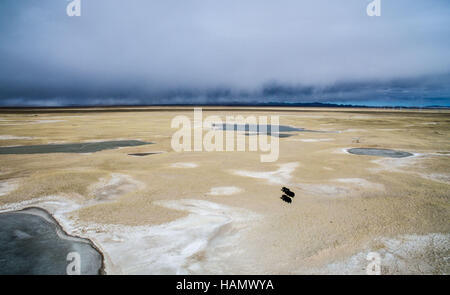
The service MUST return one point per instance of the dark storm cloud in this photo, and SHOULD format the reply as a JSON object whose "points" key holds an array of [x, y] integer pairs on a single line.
{"points": [[214, 51]]}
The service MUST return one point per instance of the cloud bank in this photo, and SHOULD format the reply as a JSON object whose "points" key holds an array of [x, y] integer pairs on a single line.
{"points": [[217, 51]]}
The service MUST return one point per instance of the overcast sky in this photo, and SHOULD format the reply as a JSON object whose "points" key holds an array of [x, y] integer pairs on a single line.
{"points": [[224, 51]]}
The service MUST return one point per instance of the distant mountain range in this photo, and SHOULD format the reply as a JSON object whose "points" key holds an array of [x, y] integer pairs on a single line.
{"points": [[266, 104]]}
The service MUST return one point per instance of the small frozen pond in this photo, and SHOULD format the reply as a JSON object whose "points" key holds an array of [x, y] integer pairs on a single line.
{"points": [[33, 243], [379, 152], [252, 129], [87, 147]]}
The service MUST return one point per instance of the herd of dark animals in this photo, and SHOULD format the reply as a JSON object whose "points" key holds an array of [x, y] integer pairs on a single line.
{"points": [[287, 195]]}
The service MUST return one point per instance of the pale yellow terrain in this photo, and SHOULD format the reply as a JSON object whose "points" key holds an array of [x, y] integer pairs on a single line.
{"points": [[345, 204]]}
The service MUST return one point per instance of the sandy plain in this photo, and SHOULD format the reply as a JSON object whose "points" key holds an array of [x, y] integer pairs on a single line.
{"points": [[220, 212]]}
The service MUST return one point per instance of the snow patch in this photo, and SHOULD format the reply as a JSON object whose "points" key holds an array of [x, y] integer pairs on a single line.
{"points": [[10, 137], [184, 165], [170, 248], [224, 190], [280, 176], [115, 186], [7, 186], [314, 139], [407, 254]]}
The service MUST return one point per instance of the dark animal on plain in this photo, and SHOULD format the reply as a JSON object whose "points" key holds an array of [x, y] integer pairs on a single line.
{"points": [[288, 192], [286, 199]]}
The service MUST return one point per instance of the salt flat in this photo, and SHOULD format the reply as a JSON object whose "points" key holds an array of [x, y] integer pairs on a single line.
{"points": [[225, 207]]}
